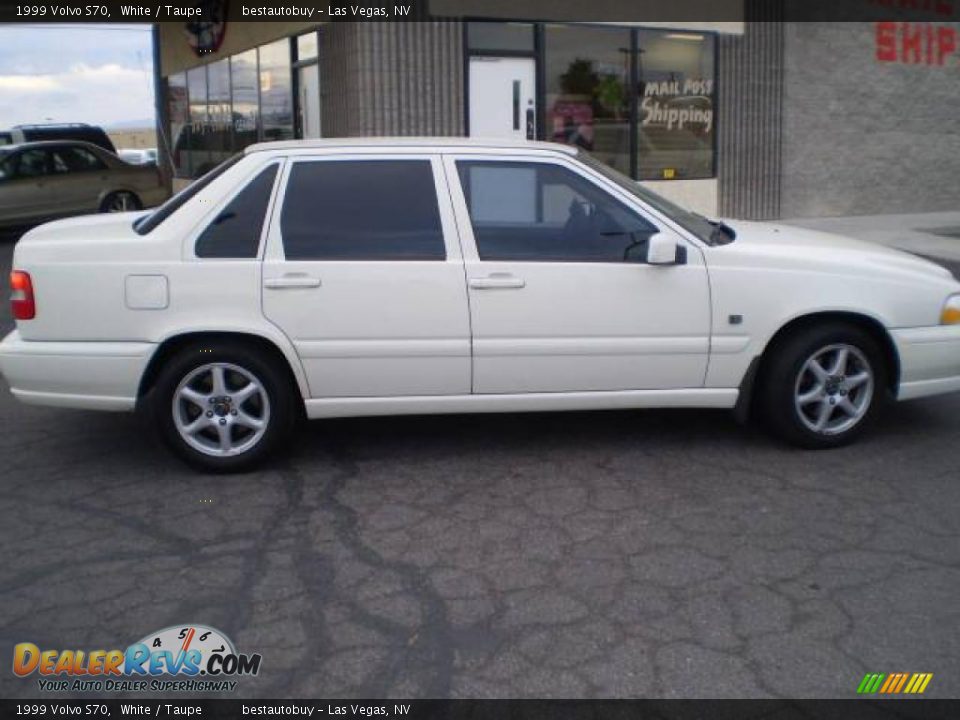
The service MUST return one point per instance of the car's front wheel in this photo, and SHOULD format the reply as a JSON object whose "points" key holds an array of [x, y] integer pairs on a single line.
{"points": [[121, 201], [824, 385], [223, 407]]}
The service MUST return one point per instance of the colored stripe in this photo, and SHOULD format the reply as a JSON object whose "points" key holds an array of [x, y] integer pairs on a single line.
{"points": [[913, 682], [926, 681], [903, 680], [862, 687], [876, 683], [890, 680]]}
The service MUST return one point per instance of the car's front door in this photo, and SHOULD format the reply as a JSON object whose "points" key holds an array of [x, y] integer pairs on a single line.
{"points": [[562, 298], [363, 273]]}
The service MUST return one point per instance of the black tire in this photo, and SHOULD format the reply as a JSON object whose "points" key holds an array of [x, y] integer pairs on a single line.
{"points": [[113, 198], [278, 413], [786, 378]]}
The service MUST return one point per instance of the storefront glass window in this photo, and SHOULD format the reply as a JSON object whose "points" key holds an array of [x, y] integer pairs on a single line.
{"points": [[497, 37], [276, 102], [219, 137], [675, 96], [246, 112], [195, 149], [178, 110], [587, 92], [307, 46]]}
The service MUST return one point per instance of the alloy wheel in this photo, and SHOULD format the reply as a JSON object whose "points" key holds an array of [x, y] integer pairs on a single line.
{"points": [[122, 202], [834, 389], [221, 409]]}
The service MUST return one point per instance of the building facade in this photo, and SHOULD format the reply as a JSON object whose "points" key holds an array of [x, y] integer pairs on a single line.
{"points": [[758, 118]]}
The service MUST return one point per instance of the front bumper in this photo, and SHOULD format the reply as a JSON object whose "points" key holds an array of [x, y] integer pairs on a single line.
{"points": [[929, 360], [85, 375]]}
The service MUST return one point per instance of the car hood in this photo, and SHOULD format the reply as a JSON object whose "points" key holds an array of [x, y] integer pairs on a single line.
{"points": [[775, 245]]}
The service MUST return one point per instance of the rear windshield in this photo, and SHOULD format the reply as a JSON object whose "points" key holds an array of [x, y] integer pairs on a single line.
{"points": [[147, 223]]}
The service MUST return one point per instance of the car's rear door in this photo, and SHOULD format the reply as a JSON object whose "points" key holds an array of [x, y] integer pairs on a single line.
{"points": [[78, 177], [363, 273]]}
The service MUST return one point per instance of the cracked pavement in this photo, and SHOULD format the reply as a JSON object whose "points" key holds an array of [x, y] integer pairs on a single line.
{"points": [[621, 554]]}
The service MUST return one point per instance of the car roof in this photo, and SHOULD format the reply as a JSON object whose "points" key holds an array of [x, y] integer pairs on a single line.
{"points": [[51, 143], [34, 126], [410, 142]]}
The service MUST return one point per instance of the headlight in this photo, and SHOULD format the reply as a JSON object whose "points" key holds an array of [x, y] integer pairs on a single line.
{"points": [[950, 315]]}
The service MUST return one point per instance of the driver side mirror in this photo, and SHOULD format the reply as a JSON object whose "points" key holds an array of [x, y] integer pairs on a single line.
{"points": [[664, 251]]}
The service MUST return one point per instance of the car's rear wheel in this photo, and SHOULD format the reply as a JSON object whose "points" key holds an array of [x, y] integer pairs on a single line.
{"points": [[823, 386], [224, 407], [120, 201]]}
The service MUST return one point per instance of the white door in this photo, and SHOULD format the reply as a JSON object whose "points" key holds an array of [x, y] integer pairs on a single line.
{"points": [[502, 97], [309, 89], [363, 273], [561, 296]]}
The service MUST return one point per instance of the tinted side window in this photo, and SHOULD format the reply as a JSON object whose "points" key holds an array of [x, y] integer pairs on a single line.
{"points": [[32, 163], [362, 210], [547, 213], [76, 159], [235, 232], [147, 223]]}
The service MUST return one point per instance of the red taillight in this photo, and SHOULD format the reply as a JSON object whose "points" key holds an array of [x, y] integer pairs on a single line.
{"points": [[21, 296]]}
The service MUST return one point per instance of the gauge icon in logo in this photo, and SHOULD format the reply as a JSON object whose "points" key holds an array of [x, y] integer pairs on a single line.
{"points": [[190, 647]]}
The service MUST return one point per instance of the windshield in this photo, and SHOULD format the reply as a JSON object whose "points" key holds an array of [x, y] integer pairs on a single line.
{"points": [[709, 231], [147, 223]]}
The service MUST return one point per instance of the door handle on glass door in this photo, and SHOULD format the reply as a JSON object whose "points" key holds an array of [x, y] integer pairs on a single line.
{"points": [[292, 280], [497, 281]]}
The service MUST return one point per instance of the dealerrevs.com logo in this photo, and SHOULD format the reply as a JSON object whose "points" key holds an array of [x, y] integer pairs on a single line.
{"points": [[183, 658]]}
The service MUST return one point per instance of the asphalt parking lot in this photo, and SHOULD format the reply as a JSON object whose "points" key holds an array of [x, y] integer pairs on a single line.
{"points": [[621, 554]]}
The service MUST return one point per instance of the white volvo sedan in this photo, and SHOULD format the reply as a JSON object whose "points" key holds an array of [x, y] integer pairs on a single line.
{"points": [[380, 277]]}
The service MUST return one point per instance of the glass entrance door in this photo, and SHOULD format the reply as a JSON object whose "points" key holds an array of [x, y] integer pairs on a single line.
{"points": [[502, 97]]}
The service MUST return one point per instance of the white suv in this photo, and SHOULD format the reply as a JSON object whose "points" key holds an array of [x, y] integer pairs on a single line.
{"points": [[378, 277]]}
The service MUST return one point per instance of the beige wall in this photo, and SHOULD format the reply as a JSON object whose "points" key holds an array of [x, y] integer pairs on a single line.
{"points": [[176, 54], [697, 195], [135, 138]]}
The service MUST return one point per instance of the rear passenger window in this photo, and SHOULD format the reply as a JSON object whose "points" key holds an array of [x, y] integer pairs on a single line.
{"points": [[76, 159], [362, 210], [235, 232]]}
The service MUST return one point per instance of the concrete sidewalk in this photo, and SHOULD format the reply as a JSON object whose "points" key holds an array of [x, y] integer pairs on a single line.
{"points": [[932, 234]]}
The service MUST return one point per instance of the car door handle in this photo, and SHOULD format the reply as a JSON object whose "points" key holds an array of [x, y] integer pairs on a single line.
{"points": [[292, 281], [497, 281]]}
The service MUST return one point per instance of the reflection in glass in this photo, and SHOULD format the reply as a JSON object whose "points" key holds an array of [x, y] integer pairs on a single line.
{"points": [[675, 96], [219, 137], [198, 159], [243, 79], [498, 36], [178, 109], [587, 101], [307, 46], [276, 103]]}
